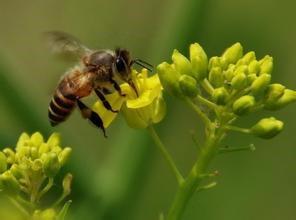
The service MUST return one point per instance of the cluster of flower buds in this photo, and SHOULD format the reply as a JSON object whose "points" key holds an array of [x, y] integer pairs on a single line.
{"points": [[27, 172], [236, 82]]}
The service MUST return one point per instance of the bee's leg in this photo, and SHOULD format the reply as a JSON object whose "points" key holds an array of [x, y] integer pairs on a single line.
{"points": [[104, 101], [91, 115], [106, 91], [116, 87]]}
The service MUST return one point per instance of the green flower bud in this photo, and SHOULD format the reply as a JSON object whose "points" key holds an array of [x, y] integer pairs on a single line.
{"points": [[10, 155], [241, 69], [247, 58], [260, 84], [37, 139], [254, 67], [288, 97], [251, 78], [220, 96], [23, 139], [3, 162], [199, 61], [214, 62], [243, 105], [16, 171], [37, 165], [34, 153], [272, 94], [182, 64], [44, 148], [229, 73], [54, 140], [239, 81], [266, 65], [233, 53], [67, 182], [188, 86], [267, 128], [64, 155], [23, 152], [9, 183], [169, 79], [51, 164], [216, 77]]}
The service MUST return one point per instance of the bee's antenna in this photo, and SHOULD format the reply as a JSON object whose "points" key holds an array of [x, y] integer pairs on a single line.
{"points": [[143, 64]]}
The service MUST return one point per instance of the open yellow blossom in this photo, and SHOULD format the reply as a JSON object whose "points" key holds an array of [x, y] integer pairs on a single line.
{"points": [[140, 109]]}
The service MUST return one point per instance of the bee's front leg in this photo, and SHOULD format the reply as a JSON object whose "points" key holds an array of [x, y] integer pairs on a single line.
{"points": [[105, 101], [91, 115], [117, 87]]}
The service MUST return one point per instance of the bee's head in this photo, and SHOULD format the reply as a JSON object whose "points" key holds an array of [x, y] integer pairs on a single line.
{"points": [[123, 63]]}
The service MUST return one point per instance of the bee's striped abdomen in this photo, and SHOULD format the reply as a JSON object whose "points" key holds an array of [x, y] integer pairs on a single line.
{"points": [[60, 107]]}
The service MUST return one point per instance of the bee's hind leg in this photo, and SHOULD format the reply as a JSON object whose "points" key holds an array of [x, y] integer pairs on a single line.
{"points": [[104, 101], [91, 115]]}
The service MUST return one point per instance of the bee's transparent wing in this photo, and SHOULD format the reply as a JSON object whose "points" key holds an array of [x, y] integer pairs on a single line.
{"points": [[66, 45]]}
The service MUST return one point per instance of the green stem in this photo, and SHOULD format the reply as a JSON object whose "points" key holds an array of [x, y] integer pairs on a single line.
{"points": [[206, 102], [46, 188], [242, 130], [166, 154], [207, 86], [202, 115], [191, 183]]}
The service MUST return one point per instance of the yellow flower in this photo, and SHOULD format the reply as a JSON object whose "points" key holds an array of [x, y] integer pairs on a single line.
{"points": [[140, 109]]}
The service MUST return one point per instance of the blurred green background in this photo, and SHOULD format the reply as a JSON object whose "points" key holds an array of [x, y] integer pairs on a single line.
{"points": [[124, 177]]}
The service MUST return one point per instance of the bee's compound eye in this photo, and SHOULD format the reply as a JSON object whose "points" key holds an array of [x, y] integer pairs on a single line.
{"points": [[120, 66]]}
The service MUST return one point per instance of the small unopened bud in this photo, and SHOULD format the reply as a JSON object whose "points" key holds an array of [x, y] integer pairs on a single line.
{"points": [[267, 128], [159, 110], [220, 96], [64, 155], [239, 81], [247, 58], [16, 171], [182, 64], [44, 148], [229, 73], [34, 153], [51, 164], [272, 94], [216, 77], [260, 84], [214, 62], [199, 61], [9, 183], [233, 53], [67, 182], [37, 165], [254, 67], [243, 105], [169, 79], [251, 78], [22, 140], [288, 97], [266, 65], [3, 162], [241, 69], [54, 140], [188, 86], [10, 155], [37, 139]]}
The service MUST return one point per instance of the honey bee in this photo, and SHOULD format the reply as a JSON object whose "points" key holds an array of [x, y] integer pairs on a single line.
{"points": [[100, 71]]}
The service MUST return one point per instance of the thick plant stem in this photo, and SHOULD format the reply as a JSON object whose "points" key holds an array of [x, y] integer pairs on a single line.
{"points": [[189, 186]]}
